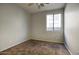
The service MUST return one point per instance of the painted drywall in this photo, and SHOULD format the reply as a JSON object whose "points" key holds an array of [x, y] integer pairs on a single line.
{"points": [[72, 28], [39, 27], [14, 25]]}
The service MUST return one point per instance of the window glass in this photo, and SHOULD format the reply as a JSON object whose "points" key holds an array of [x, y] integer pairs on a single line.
{"points": [[53, 22], [49, 22], [57, 21]]}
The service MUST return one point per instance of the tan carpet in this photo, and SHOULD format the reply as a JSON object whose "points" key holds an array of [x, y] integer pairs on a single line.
{"points": [[35, 47]]}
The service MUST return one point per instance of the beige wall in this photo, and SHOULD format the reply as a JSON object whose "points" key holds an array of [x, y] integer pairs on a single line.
{"points": [[72, 28], [14, 25], [39, 28]]}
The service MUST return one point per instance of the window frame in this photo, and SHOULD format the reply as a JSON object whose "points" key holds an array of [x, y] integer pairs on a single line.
{"points": [[53, 28]]}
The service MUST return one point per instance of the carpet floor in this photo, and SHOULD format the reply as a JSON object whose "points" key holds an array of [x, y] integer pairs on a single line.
{"points": [[36, 47]]}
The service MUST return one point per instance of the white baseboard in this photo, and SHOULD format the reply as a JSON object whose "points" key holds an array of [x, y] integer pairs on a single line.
{"points": [[68, 49], [13, 45], [48, 40]]}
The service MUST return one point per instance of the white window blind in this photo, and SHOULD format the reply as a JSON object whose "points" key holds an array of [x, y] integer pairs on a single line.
{"points": [[53, 22]]}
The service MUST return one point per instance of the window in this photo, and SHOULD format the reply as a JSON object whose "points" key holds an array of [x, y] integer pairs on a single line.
{"points": [[53, 22]]}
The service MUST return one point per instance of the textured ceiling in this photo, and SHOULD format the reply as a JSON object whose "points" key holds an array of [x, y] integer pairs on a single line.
{"points": [[35, 9]]}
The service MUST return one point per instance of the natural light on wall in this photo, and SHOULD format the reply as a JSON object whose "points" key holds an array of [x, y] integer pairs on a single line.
{"points": [[53, 22]]}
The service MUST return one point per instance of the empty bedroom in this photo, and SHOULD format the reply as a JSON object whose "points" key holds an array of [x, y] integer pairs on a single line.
{"points": [[39, 28]]}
